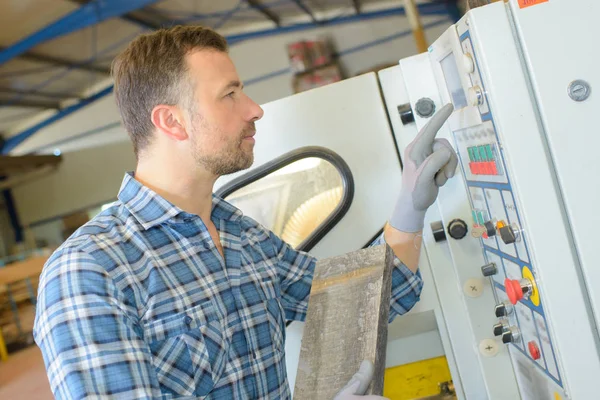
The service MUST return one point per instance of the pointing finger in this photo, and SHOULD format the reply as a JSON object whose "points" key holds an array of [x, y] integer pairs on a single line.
{"points": [[423, 143]]}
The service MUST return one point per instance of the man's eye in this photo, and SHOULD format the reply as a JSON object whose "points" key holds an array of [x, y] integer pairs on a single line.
{"points": [[230, 94]]}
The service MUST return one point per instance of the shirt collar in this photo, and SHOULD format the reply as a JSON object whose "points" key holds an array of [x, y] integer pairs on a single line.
{"points": [[150, 209]]}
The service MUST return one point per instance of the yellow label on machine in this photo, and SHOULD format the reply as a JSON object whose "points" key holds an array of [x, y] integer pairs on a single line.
{"points": [[416, 380]]}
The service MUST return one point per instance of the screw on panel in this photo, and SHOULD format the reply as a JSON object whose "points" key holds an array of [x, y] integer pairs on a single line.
{"points": [[579, 90]]}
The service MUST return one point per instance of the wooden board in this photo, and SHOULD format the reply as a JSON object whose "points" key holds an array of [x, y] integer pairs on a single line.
{"points": [[29, 268], [347, 322]]}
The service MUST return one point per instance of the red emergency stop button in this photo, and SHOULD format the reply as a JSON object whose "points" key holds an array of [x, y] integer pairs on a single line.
{"points": [[534, 350], [518, 289], [513, 290]]}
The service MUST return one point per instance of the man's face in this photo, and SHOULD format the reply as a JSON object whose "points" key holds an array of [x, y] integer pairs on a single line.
{"points": [[222, 116]]}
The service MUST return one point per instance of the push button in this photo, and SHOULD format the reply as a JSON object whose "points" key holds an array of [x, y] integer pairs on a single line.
{"points": [[534, 350], [518, 289]]}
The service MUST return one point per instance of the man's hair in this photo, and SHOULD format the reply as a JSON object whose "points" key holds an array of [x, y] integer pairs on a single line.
{"points": [[152, 71]]}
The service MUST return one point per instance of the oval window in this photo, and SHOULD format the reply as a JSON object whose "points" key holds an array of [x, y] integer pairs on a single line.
{"points": [[299, 196]]}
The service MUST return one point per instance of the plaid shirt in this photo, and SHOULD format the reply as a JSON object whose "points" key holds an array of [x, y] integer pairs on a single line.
{"points": [[139, 303]]}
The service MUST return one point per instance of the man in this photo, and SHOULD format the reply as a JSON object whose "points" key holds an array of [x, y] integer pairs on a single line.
{"points": [[172, 292]]}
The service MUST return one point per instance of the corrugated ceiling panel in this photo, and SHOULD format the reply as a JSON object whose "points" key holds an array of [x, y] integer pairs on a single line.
{"points": [[113, 35], [20, 18]]}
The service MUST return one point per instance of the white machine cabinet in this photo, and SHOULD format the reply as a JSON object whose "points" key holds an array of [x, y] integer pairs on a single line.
{"points": [[522, 77]]}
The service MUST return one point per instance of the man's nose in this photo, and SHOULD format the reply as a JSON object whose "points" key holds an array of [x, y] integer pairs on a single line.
{"points": [[256, 111]]}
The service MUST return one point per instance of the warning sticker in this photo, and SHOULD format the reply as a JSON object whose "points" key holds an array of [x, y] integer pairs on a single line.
{"points": [[529, 3]]}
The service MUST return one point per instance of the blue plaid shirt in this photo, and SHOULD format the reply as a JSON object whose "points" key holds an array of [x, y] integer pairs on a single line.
{"points": [[139, 303]]}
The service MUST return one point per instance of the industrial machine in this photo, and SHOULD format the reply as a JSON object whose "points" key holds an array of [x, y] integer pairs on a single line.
{"points": [[511, 282]]}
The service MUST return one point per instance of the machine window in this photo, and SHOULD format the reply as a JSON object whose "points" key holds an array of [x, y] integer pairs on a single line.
{"points": [[299, 196]]}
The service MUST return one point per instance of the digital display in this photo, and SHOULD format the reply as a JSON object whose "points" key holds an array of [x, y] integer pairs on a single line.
{"points": [[450, 69]]}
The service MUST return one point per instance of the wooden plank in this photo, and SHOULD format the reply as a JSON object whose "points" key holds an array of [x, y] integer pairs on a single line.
{"points": [[346, 323], [16, 163], [29, 268]]}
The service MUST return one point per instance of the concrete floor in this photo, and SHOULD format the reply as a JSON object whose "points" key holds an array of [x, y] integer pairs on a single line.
{"points": [[23, 376]]}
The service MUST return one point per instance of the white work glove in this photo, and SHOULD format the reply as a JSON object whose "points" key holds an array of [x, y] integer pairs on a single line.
{"points": [[358, 384], [428, 164]]}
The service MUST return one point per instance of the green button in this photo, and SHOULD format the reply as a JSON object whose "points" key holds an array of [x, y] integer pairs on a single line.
{"points": [[474, 216], [471, 156], [476, 157], [483, 153], [490, 154]]}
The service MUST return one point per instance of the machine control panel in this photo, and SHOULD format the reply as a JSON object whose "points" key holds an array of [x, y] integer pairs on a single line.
{"points": [[496, 223]]}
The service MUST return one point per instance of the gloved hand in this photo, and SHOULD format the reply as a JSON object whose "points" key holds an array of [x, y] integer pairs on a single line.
{"points": [[428, 164], [358, 384]]}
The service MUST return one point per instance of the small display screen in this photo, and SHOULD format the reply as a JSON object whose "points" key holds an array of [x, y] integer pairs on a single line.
{"points": [[450, 69]]}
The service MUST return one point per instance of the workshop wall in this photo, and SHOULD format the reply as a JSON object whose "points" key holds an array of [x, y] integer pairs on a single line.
{"points": [[84, 179]]}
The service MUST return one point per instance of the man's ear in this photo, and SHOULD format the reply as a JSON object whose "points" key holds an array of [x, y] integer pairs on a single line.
{"points": [[169, 121]]}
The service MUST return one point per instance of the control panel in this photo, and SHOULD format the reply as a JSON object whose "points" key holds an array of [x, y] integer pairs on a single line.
{"points": [[521, 324], [496, 223]]}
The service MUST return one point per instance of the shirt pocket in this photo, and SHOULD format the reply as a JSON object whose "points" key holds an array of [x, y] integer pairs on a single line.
{"points": [[274, 312], [189, 350], [276, 318]]}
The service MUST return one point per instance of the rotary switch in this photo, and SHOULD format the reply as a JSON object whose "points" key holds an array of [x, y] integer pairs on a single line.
{"points": [[425, 107], [511, 335], [457, 229], [518, 289], [503, 309], [489, 269], [510, 233], [490, 228], [487, 230], [475, 95], [500, 328]]}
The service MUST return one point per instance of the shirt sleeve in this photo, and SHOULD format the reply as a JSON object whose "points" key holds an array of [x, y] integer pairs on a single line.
{"points": [[296, 270], [91, 347], [406, 286]]}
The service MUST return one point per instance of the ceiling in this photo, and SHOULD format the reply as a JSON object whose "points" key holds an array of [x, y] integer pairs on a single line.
{"points": [[54, 71]]}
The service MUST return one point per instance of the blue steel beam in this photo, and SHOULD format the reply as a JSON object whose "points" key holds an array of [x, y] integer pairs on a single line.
{"points": [[252, 81], [85, 16], [424, 9], [16, 140]]}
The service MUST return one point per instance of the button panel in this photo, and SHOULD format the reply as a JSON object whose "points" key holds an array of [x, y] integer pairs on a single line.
{"points": [[496, 223]]}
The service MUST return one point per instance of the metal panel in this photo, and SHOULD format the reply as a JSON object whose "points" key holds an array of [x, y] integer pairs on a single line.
{"points": [[538, 200], [525, 192], [570, 126]]}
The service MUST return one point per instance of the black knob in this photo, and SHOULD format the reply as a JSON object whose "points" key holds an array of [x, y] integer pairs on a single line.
{"points": [[490, 228], [489, 269], [499, 329], [457, 229], [507, 337], [503, 309], [508, 234], [425, 107], [406, 113], [511, 335], [437, 228]]}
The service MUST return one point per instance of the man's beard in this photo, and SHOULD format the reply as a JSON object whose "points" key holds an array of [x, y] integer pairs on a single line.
{"points": [[232, 158]]}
